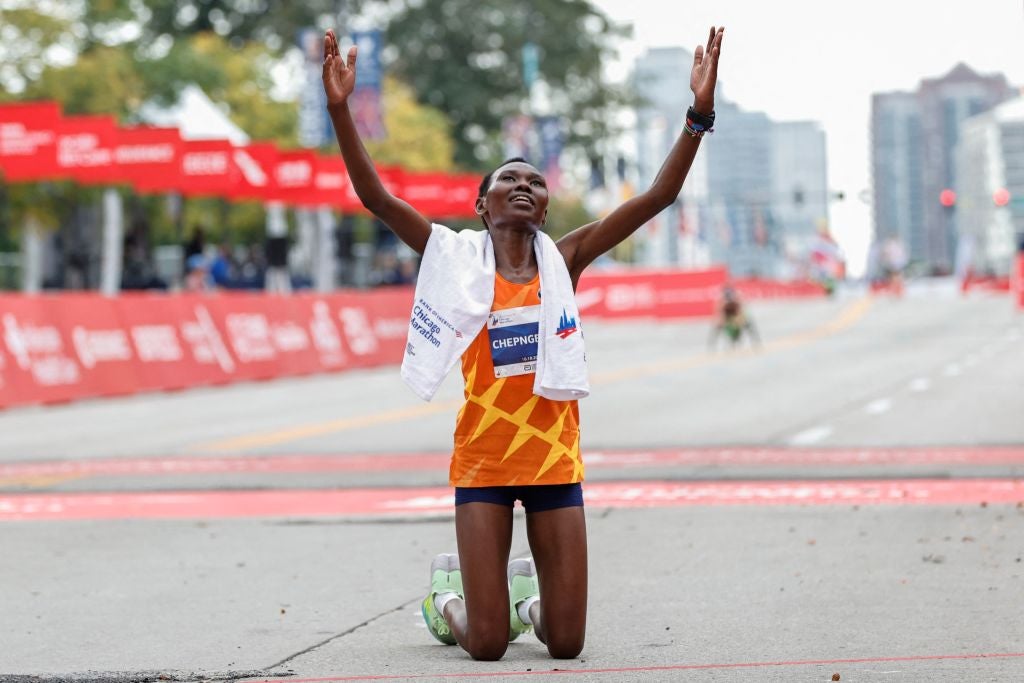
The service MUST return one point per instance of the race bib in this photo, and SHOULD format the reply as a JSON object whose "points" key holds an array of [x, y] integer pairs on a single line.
{"points": [[513, 334]]}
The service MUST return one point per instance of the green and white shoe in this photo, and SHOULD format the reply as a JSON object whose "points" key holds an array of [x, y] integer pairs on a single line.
{"points": [[522, 584], [445, 577]]}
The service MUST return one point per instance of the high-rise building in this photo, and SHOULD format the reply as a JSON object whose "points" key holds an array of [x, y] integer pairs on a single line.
{"points": [[914, 136], [896, 171], [662, 81], [743, 232], [800, 194], [990, 188]]}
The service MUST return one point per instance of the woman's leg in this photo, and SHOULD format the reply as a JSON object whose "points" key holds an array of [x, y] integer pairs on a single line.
{"points": [[481, 623], [558, 540]]}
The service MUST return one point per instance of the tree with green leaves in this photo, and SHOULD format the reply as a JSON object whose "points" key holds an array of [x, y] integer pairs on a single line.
{"points": [[465, 58], [275, 23]]}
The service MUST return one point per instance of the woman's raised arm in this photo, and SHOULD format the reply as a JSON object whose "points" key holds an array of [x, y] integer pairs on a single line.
{"points": [[339, 78]]}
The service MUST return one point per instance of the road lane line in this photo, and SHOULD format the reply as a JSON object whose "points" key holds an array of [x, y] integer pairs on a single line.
{"points": [[952, 370], [428, 502], [846, 318], [810, 436], [920, 384], [878, 406], [320, 428]]}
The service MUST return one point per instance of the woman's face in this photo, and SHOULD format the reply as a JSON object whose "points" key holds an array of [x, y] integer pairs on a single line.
{"points": [[518, 194]]}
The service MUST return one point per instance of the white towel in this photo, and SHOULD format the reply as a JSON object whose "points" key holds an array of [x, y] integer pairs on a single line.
{"points": [[561, 358], [454, 295]]}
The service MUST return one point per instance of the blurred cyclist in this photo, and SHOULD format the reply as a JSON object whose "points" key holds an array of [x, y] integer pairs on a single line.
{"points": [[733, 321]]}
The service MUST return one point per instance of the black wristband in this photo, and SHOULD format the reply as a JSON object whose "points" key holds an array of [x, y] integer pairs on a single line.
{"points": [[703, 122]]}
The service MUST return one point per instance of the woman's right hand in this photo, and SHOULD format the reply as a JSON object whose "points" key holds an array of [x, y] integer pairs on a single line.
{"points": [[339, 75]]}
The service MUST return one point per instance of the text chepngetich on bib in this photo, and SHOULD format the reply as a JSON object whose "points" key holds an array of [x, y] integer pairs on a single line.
{"points": [[513, 335]]}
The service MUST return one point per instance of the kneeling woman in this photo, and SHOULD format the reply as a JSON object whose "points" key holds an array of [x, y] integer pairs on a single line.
{"points": [[501, 301]]}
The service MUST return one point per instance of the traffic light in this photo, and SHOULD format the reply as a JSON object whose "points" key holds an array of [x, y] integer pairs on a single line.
{"points": [[947, 198], [1001, 197]]}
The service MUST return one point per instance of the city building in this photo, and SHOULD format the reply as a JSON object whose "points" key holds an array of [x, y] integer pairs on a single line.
{"points": [[913, 141], [663, 86], [989, 200], [898, 204], [742, 232], [800, 193]]}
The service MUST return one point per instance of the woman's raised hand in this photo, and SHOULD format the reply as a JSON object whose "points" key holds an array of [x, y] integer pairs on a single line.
{"points": [[705, 72], [339, 74]]}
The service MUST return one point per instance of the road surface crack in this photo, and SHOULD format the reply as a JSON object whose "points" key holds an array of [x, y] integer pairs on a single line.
{"points": [[344, 633]]}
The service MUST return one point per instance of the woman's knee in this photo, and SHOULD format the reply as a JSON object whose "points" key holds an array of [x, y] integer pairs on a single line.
{"points": [[565, 645], [487, 647]]}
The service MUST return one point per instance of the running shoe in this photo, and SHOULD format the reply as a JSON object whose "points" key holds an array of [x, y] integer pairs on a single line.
{"points": [[522, 584], [445, 577]]}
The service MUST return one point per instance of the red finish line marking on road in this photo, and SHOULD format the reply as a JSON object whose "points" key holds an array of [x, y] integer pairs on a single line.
{"points": [[610, 459], [418, 502], [649, 669]]}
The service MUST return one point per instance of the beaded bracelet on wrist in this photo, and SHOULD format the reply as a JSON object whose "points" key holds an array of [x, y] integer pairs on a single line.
{"points": [[697, 124]]}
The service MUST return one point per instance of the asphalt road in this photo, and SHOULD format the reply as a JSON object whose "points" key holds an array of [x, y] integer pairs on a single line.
{"points": [[846, 499]]}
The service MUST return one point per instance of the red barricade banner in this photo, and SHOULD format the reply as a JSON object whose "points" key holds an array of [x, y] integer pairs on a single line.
{"points": [[207, 168], [755, 288], [440, 195], [37, 362], [331, 185], [293, 176], [658, 294], [460, 197], [255, 164], [72, 346], [148, 157], [28, 136], [85, 149], [374, 325], [426, 192], [176, 342], [99, 341]]}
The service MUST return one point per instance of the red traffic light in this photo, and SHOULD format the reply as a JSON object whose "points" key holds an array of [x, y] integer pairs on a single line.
{"points": [[1001, 197], [947, 198]]}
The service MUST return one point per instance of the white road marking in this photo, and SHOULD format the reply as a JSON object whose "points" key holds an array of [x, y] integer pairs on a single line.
{"points": [[971, 360], [810, 436], [878, 406], [920, 384], [952, 370]]}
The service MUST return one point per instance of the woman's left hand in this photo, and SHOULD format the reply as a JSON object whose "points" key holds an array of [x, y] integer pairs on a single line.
{"points": [[704, 75]]}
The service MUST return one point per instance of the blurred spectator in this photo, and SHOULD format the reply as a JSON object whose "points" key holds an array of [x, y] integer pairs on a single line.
{"points": [[344, 241], [252, 268], [139, 272], [196, 274], [278, 278], [195, 246], [223, 271]]}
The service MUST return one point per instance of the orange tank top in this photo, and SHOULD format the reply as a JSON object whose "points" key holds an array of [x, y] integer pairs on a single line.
{"points": [[505, 435]]}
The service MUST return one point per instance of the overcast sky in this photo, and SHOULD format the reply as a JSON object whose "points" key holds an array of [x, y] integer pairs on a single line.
{"points": [[821, 60]]}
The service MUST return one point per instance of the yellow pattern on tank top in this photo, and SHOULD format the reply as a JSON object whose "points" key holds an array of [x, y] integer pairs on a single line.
{"points": [[506, 406]]}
